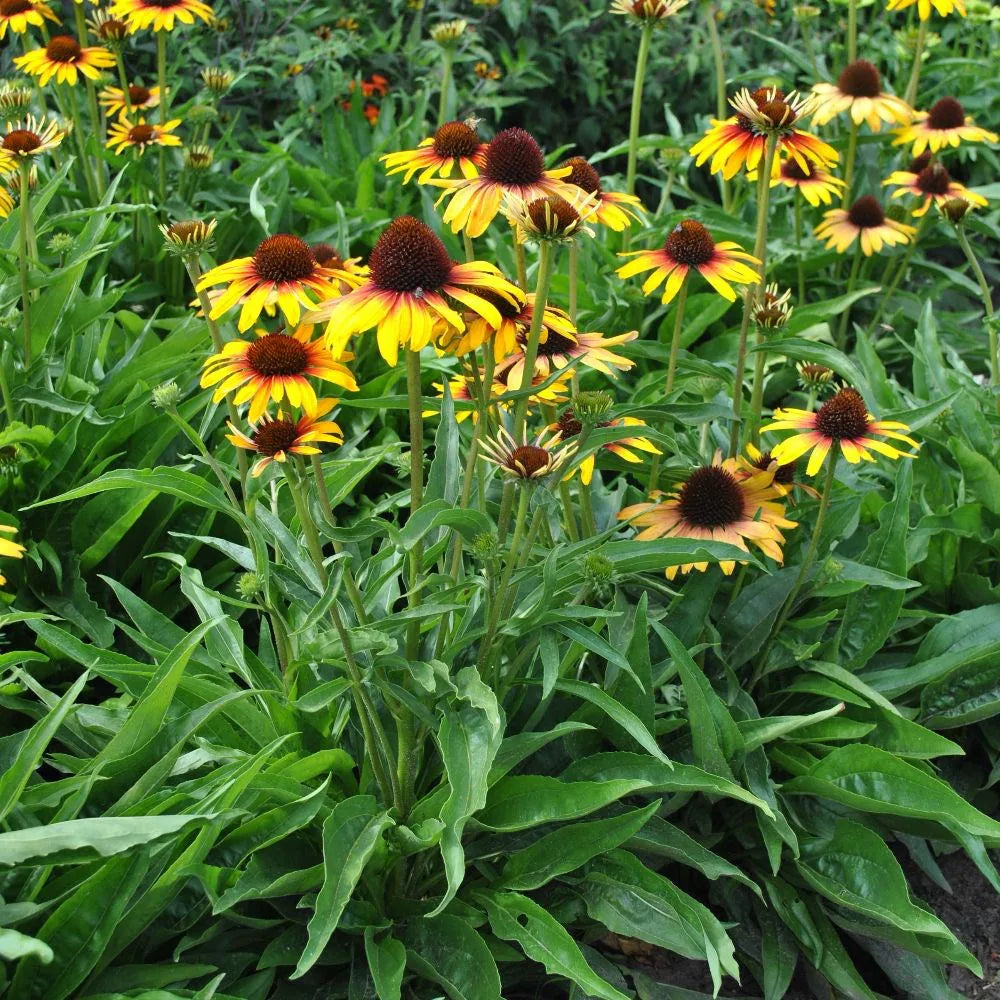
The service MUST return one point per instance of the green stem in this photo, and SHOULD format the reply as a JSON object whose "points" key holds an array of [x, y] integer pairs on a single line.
{"points": [[22, 255], [900, 271], [588, 527], [546, 256], [520, 262], [161, 76], [448, 57], [757, 390], [353, 591], [79, 131], [675, 340], [984, 289], [376, 744], [918, 58], [760, 252], [574, 268], [486, 647], [637, 84], [194, 273], [800, 269], [718, 58], [123, 80], [195, 438], [824, 503], [8, 399], [470, 254], [852, 30], [846, 315], [414, 395], [569, 518], [852, 152]]}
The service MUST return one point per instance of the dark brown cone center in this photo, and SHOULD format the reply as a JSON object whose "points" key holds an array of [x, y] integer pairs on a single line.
{"points": [[529, 457], [327, 256], [783, 474], [409, 257], [866, 213], [20, 140], [63, 49], [278, 354], [455, 139], [506, 308], [690, 243], [273, 436], [284, 258], [140, 134], [778, 113], [860, 79], [514, 157], [946, 114], [918, 164], [554, 345], [8, 8], [553, 215], [569, 426], [711, 498], [583, 175], [843, 416], [934, 180], [138, 95]]}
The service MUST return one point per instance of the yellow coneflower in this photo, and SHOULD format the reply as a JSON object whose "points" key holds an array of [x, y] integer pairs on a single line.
{"points": [[515, 321], [139, 99], [282, 272], [943, 7], [720, 502], [613, 209], [66, 60], [559, 351], [523, 459], [9, 548], [123, 135], [275, 438], [404, 297], [740, 141], [454, 146], [865, 219], [550, 219], [329, 257], [275, 366], [817, 185], [462, 390], [690, 245], [813, 377], [6, 202], [18, 14], [648, 11], [858, 90], [31, 137], [756, 461], [161, 14], [946, 124], [514, 166], [772, 308], [842, 420], [933, 185], [569, 426]]}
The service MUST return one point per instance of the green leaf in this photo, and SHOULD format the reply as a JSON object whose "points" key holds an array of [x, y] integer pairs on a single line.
{"points": [[519, 802], [852, 866], [874, 781], [969, 693], [757, 732], [633, 901], [80, 928], [870, 614], [447, 951], [823, 354], [444, 480], [568, 848], [469, 738], [15, 945], [78, 840], [543, 939], [618, 713], [30, 751], [658, 777], [714, 736], [980, 474], [176, 482], [386, 963], [350, 835], [630, 556]]}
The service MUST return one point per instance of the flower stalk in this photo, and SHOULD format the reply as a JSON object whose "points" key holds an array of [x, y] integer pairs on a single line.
{"points": [[918, 58], [642, 59], [760, 252], [546, 255], [984, 289], [22, 255]]}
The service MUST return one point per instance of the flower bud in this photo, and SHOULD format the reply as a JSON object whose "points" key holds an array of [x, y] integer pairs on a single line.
{"points": [[166, 395]]}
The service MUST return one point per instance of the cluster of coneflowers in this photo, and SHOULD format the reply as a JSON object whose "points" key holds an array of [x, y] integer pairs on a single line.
{"points": [[521, 355]]}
